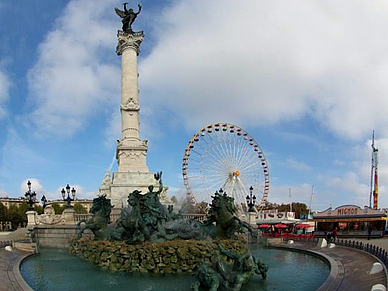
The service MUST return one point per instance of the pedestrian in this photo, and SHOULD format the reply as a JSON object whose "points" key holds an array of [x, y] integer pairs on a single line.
{"points": [[369, 230], [328, 237], [335, 233]]}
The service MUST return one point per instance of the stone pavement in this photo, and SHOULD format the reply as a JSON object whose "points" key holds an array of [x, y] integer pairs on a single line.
{"points": [[380, 242], [13, 235], [10, 278], [351, 267]]}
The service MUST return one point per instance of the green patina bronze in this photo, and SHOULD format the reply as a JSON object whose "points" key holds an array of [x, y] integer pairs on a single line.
{"points": [[158, 241], [146, 220], [231, 277], [100, 219], [222, 214], [149, 220]]}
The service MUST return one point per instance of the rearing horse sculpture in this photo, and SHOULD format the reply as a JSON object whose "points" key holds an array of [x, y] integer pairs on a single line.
{"points": [[100, 219], [222, 212]]}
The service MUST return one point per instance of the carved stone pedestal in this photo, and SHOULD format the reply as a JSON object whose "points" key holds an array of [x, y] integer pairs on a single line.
{"points": [[69, 215], [31, 218], [124, 183]]}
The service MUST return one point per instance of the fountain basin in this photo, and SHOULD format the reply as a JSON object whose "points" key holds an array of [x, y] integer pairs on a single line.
{"points": [[56, 270]]}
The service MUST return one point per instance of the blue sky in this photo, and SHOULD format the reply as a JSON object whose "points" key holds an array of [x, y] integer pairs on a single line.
{"points": [[307, 80]]}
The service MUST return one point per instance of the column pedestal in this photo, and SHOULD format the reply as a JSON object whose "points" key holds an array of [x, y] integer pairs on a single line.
{"points": [[69, 214], [31, 222]]}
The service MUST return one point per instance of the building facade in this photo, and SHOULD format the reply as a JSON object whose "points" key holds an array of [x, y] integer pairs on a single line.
{"points": [[9, 201], [350, 221]]}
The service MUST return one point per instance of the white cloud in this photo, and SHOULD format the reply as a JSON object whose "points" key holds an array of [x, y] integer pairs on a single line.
{"points": [[338, 162], [5, 85], [113, 129], [350, 182], [35, 186], [17, 156], [56, 195], [80, 193], [353, 186], [299, 193], [270, 61], [300, 166], [73, 79], [3, 193]]}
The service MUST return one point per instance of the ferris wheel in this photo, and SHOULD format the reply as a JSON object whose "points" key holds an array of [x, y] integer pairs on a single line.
{"points": [[223, 155]]}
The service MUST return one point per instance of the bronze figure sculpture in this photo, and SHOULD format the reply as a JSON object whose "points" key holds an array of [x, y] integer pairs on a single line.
{"points": [[128, 17]]}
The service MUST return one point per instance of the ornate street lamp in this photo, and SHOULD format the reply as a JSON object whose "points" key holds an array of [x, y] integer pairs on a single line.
{"points": [[30, 196], [251, 200], [68, 199], [44, 200]]}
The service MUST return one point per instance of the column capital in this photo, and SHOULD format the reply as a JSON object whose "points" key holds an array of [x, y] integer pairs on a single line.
{"points": [[129, 40]]}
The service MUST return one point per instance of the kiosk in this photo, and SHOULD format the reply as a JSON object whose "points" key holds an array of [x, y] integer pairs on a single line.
{"points": [[350, 221]]}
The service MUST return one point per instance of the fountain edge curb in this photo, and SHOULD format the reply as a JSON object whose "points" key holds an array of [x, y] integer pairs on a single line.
{"points": [[336, 275], [21, 283]]}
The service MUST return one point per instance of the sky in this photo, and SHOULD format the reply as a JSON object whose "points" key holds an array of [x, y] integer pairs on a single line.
{"points": [[306, 79]]}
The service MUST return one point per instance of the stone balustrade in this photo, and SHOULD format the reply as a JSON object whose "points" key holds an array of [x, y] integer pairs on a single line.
{"points": [[199, 217]]}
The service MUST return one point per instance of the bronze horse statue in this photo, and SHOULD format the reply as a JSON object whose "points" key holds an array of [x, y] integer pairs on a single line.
{"points": [[222, 212], [100, 219]]}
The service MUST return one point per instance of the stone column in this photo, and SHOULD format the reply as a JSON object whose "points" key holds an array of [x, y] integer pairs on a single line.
{"points": [[131, 151]]}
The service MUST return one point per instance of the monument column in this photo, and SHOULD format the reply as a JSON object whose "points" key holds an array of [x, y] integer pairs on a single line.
{"points": [[131, 152], [132, 173]]}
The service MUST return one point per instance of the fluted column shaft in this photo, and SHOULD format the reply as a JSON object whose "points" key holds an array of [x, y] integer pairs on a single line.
{"points": [[131, 152]]}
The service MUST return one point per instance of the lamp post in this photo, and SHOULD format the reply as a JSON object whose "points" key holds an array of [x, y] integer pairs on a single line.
{"points": [[30, 196], [44, 200], [68, 199], [251, 200]]}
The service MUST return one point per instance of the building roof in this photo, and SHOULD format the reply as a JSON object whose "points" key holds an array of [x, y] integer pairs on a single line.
{"points": [[348, 212]]}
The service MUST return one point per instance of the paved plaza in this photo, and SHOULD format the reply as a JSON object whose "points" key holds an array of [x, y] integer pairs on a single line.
{"points": [[10, 278], [13, 235], [379, 242], [350, 268]]}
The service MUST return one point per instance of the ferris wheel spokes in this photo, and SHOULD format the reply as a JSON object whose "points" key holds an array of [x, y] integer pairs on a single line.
{"points": [[224, 156]]}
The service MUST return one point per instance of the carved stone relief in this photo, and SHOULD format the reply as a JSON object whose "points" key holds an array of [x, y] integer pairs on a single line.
{"points": [[130, 105], [49, 217]]}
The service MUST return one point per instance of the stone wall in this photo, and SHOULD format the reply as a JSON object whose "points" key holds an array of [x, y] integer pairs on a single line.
{"points": [[167, 257], [55, 236]]}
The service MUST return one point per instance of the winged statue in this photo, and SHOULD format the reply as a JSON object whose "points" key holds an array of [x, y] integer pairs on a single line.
{"points": [[128, 17]]}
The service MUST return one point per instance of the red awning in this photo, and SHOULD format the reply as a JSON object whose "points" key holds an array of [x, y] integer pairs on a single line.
{"points": [[281, 225], [264, 226], [303, 225]]}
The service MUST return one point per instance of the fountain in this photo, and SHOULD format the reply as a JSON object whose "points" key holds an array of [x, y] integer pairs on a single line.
{"points": [[149, 238], [153, 247], [156, 249]]}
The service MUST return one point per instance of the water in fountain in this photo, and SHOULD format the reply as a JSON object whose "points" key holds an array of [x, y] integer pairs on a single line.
{"points": [[56, 270]]}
